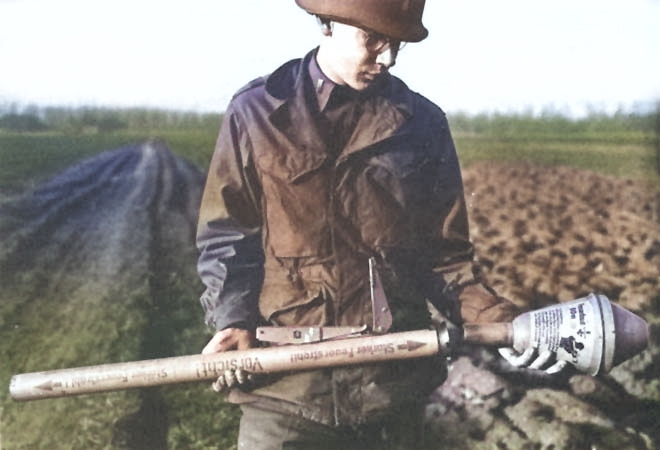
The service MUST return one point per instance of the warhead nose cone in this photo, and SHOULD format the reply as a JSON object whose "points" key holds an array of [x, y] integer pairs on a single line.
{"points": [[591, 333], [631, 334]]}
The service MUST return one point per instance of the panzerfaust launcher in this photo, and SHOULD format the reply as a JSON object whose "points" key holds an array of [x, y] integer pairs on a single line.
{"points": [[591, 333]]}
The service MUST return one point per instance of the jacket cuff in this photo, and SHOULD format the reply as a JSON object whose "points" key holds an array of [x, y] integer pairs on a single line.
{"points": [[466, 298], [229, 309]]}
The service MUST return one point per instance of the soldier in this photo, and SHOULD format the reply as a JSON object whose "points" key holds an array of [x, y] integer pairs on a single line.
{"points": [[326, 163]]}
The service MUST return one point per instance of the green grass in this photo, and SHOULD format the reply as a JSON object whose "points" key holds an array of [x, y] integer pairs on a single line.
{"points": [[622, 146], [632, 158], [51, 320]]}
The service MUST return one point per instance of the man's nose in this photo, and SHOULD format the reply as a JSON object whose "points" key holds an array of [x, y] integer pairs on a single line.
{"points": [[387, 58]]}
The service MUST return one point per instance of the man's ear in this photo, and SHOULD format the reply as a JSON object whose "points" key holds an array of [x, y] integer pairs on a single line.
{"points": [[326, 26]]}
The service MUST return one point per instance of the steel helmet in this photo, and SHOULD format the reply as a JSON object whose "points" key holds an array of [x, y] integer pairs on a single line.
{"points": [[399, 19]]}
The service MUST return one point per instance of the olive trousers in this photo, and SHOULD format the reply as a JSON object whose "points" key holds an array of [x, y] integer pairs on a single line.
{"points": [[262, 429]]}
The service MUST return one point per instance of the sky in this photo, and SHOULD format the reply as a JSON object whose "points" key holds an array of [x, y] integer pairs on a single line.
{"points": [[562, 56]]}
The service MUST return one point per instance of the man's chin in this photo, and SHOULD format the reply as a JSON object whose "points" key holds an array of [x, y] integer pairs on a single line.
{"points": [[364, 82], [361, 86]]}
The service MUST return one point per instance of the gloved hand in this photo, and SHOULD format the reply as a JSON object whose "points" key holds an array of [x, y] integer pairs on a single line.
{"points": [[232, 339], [531, 358], [235, 378]]}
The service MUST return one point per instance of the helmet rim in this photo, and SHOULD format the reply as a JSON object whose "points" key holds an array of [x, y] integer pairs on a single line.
{"points": [[398, 19]]}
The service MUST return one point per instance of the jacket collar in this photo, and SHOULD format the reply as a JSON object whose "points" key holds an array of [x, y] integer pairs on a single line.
{"points": [[384, 116]]}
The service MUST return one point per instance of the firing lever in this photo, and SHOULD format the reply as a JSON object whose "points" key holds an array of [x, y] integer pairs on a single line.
{"points": [[305, 335]]}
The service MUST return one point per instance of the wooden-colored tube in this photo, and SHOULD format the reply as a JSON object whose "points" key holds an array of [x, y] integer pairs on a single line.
{"points": [[110, 377], [496, 334]]}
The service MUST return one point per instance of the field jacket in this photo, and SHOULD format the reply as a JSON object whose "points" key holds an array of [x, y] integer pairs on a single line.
{"points": [[286, 231]]}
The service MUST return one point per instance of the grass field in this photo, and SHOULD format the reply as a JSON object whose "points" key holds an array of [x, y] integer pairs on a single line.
{"points": [[629, 158], [613, 146]]}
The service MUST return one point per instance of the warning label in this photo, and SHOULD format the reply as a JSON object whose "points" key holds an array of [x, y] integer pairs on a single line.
{"points": [[547, 325]]}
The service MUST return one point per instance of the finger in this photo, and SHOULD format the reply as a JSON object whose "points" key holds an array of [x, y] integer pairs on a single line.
{"points": [[526, 357], [217, 343], [242, 376], [219, 385], [209, 347], [507, 353], [230, 378], [556, 367], [518, 359], [230, 339], [544, 357]]}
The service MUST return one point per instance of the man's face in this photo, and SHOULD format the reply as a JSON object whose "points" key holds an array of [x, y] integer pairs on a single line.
{"points": [[356, 57]]}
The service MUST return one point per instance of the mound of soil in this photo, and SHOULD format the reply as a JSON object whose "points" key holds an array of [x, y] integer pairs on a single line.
{"points": [[99, 218]]}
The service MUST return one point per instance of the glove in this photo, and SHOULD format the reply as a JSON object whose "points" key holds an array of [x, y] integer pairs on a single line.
{"points": [[233, 339], [545, 361], [235, 378]]}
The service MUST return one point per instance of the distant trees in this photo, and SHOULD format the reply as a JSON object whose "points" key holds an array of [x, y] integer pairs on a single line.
{"points": [[22, 122], [102, 120], [521, 125], [80, 120]]}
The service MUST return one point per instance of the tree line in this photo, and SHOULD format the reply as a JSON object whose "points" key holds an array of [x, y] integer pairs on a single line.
{"points": [[521, 125], [103, 120]]}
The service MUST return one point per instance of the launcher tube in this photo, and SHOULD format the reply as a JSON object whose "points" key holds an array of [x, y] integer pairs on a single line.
{"points": [[590, 333], [181, 369]]}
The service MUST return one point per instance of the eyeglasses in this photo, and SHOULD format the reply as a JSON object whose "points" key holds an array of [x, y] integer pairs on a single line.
{"points": [[379, 43], [374, 41]]}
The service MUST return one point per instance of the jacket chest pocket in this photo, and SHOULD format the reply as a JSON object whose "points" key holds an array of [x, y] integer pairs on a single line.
{"points": [[407, 170], [296, 206], [400, 191]]}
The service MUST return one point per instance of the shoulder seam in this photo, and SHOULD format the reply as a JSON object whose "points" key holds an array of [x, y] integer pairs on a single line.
{"points": [[257, 82]]}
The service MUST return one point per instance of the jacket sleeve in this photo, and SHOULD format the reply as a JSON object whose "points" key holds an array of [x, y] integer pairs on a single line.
{"points": [[230, 263], [457, 287]]}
